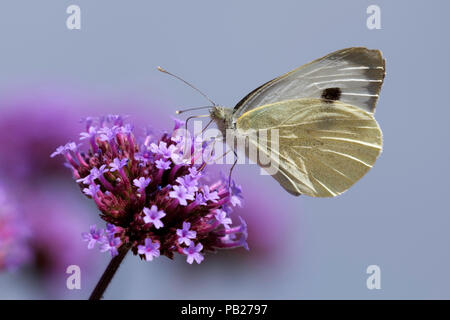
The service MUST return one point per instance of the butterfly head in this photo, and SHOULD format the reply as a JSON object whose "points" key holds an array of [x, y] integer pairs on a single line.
{"points": [[222, 117]]}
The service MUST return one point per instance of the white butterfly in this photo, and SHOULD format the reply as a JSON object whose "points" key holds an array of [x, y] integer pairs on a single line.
{"points": [[328, 137], [323, 112]]}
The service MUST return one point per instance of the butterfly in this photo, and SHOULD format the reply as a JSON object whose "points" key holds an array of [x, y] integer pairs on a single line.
{"points": [[324, 114]]}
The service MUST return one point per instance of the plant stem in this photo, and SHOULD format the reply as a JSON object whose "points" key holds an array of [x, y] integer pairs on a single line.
{"points": [[109, 273]]}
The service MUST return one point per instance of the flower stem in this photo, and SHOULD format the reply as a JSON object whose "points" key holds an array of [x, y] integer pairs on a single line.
{"points": [[109, 273]]}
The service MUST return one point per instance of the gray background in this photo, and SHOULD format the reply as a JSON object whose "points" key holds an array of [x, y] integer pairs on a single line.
{"points": [[397, 217]]}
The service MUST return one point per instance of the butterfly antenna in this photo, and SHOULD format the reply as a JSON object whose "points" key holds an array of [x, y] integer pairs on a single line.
{"points": [[187, 83], [192, 109]]}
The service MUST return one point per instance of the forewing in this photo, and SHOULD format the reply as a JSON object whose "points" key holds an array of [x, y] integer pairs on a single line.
{"points": [[324, 146], [353, 76]]}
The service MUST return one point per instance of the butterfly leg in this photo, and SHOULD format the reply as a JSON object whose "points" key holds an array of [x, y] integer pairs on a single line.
{"points": [[194, 117], [232, 167]]}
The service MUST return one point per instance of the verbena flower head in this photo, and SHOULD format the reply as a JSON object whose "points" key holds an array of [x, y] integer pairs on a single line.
{"points": [[152, 193]]}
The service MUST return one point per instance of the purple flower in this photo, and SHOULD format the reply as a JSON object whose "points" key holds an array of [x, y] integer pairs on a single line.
{"points": [[192, 208], [127, 128], [94, 236], [181, 194], [200, 199], [154, 216], [110, 229], [193, 253], [178, 123], [189, 183], [177, 139], [162, 149], [163, 164], [111, 244], [179, 158], [71, 146], [236, 194], [108, 134], [150, 250], [118, 164], [185, 235], [61, 150], [235, 236], [95, 172], [141, 183], [210, 196], [91, 133], [92, 190], [105, 238], [194, 173], [222, 217], [116, 119], [89, 179]]}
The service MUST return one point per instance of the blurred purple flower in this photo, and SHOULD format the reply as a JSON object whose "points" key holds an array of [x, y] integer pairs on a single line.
{"points": [[14, 235], [53, 226], [41, 243], [34, 121], [27, 135]]}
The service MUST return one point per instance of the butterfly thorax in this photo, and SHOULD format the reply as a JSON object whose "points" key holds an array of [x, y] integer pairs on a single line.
{"points": [[223, 118]]}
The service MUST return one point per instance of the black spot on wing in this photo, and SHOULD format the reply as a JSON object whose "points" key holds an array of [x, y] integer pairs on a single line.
{"points": [[331, 94]]}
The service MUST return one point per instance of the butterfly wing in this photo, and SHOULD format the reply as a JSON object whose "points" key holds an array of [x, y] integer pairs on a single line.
{"points": [[324, 146], [353, 76]]}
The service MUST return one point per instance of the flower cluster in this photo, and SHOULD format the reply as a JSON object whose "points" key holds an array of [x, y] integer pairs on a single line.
{"points": [[152, 193], [14, 236], [105, 238]]}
